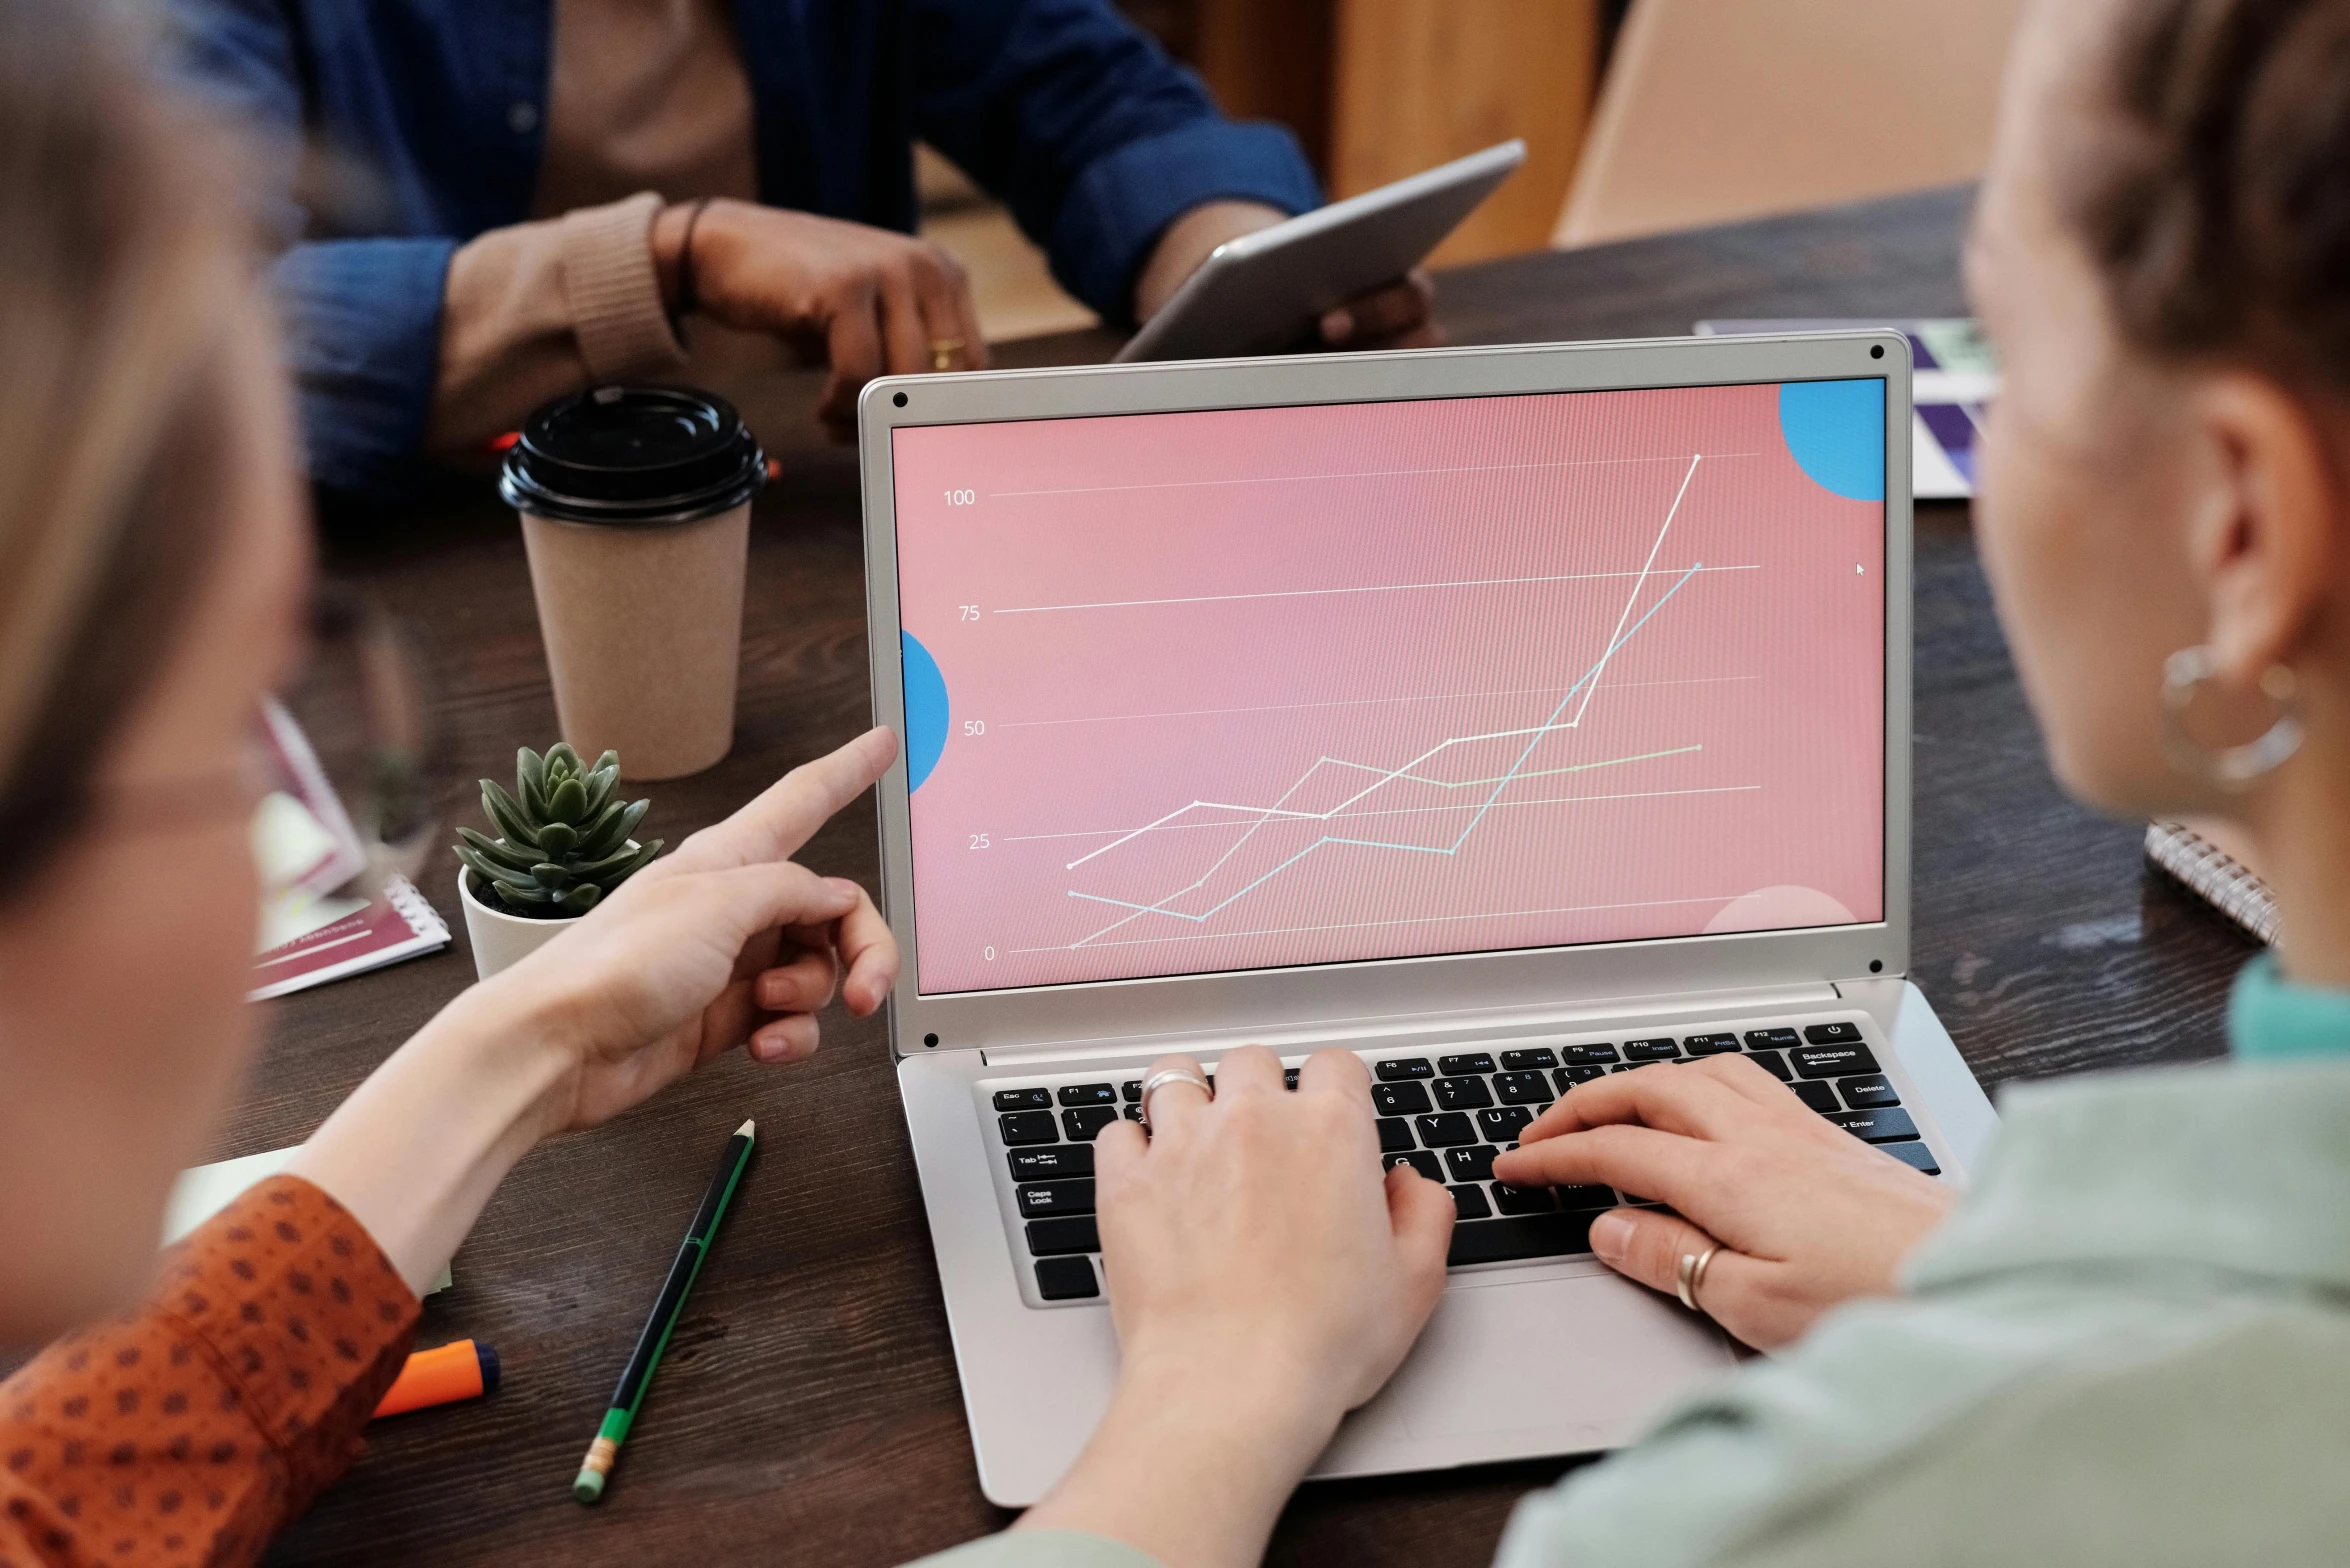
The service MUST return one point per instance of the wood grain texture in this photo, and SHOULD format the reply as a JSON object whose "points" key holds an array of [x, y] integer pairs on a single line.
{"points": [[808, 1411], [1415, 83]]}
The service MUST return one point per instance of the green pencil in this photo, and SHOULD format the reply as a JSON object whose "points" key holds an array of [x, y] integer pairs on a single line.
{"points": [[655, 1339]]}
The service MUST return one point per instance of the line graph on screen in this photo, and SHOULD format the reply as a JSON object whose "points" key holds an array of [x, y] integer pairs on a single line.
{"points": [[1227, 690]]}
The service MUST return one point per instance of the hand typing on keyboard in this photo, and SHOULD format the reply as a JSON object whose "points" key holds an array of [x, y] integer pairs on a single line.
{"points": [[1265, 1279], [1807, 1215]]}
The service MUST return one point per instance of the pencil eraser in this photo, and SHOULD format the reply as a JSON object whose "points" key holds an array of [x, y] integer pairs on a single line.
{"points": [[588, 1487]]}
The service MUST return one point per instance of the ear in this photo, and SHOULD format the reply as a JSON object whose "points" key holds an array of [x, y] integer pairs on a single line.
{"points": [[2263, 547]]}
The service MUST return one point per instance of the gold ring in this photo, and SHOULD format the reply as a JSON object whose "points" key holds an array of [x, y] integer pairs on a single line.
{"points": [[943, 352], [1692, 1275]]}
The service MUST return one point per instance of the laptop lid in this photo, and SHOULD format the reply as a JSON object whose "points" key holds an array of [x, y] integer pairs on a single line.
{"points": [[1249, 693]]}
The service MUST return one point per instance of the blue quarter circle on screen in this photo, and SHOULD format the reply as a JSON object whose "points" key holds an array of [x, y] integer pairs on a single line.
{"points": [[926, 711], [1835, 431]]}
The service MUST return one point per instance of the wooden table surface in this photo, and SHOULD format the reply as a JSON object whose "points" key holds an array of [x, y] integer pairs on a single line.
{"points": [[808, 1410]]}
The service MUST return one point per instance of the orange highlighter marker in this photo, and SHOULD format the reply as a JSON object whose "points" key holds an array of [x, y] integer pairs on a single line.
{"points": [[441, 1376]]}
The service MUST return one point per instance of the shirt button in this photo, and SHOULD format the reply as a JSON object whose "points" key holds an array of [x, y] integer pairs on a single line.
{"points": [[522, 118]]}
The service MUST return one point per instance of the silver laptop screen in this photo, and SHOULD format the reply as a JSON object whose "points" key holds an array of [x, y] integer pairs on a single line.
{"points": [[1252, 688]]}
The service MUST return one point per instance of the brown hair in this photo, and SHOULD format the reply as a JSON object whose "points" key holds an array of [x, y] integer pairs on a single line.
{"points": [[2212, 190], [120, 270]]}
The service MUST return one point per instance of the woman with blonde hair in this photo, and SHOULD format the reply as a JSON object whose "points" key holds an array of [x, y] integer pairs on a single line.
{"points": [[153, 566]]}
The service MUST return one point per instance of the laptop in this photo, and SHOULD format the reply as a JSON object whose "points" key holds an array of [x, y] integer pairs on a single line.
{"points": [[1507, 716]]}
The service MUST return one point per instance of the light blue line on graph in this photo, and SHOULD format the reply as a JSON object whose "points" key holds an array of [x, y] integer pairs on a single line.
{"points": [[1501, 784]]}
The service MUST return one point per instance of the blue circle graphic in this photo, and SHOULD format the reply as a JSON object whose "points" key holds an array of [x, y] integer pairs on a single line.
{"points": [[1835, 431], [926, 711]]}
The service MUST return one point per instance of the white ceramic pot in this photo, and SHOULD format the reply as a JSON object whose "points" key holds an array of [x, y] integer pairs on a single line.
{"points": [[501, 940]]}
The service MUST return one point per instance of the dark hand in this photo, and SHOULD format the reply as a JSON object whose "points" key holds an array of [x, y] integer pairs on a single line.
{"points": [[1807, 1215], [1399, 315], [863, 300]]}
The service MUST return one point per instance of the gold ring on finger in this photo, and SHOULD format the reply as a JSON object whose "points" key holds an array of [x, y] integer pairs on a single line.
{"points": [[943, 352], [1691, 1278]]}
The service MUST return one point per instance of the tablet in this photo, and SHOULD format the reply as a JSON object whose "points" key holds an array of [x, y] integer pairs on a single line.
{"points": [[1264, 290]]}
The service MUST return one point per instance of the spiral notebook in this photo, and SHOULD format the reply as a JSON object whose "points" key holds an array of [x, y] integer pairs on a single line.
{"points": [[2209, 871]]}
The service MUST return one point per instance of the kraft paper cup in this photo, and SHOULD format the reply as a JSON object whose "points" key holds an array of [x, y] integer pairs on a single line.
{"points": [[635, 507]]}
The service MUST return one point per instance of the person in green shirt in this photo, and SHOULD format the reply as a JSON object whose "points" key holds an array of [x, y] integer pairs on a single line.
{"points": [[2130, 1341]]}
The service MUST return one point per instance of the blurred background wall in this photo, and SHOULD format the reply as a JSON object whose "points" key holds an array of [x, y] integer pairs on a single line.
{"points": [[1638, 115]]}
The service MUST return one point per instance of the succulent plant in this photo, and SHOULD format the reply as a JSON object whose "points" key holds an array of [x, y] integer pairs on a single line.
{"points": [[563, 841]]}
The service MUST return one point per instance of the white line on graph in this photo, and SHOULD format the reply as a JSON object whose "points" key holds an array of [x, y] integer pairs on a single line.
{"points": [[1355, 702], [1310, 593], [1386, 776], [1617, 640], [1410, 811], [1366, 473], [1614, 639], [1411, 920]]}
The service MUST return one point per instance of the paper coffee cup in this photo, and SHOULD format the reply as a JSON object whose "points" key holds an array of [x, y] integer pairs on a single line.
{"points": [[636, 507]]}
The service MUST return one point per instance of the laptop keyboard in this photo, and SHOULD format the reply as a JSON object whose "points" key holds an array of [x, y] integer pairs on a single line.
{"points": [[1447, 1116]]}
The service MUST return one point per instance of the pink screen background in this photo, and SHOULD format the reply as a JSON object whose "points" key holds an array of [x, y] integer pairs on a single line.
{"points": [[1235, 690]]}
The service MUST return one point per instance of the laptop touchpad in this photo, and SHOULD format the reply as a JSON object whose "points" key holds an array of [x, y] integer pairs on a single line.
{"points": [[1592, 1356]]}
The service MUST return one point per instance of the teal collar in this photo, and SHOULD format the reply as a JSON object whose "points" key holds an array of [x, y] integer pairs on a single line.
{"points": [[2270, 1019]]}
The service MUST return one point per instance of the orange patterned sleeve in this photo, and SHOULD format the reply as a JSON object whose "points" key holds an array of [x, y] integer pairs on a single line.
{"points": [[191, 1430]]}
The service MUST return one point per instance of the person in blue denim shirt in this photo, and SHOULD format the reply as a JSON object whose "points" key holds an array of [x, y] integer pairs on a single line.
{"points": [[487, 206]]}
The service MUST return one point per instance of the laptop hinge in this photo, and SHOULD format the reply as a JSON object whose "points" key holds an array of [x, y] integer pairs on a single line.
{"points": [[1453, 1026]]}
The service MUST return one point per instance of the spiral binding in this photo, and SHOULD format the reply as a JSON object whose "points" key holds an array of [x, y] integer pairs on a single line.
{"points": [[2214, 875]]}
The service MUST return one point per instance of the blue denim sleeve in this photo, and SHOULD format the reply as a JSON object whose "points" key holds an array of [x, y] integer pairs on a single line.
{"points": [[363, 324], [1088, 132], [362, 316]]}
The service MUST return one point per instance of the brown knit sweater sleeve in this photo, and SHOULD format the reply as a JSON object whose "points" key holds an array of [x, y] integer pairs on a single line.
{"points": [[191, 1430]]}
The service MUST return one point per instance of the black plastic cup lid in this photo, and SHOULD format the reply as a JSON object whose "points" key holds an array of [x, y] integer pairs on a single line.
{"points": [[633, 457]]}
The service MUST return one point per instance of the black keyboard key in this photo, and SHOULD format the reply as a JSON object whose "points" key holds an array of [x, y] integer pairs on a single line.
{"points": [[1085, 1123], [1461, 1094], [1709, 1044], [1053, 1238], [1473, 1062], [1832, 1034], [1444, 1130], [1625, 1067], [1877, 1126], [1399, 1099], [1832, 1061], [1817, 1095], [1024, 1099], [1504, 1123], [1568, 1077], [1471, 1165], [1090, 1094], [1519, 1061], [1661, 1049], [1131, 1091], [1133, 1113], [1524, 1088], [1586, 1195], [1048, 1198], [1913, 1153], [1066, 1279], [1395, 1135], [1407, 1067], [1021, 1127], [1468, 1203], [1520, 1236], [1872, 1093], [1057, 1163], [1771, 1039], [1522, 1200], [1773, 1063], [1419, 1159], [1595, 1052], [1288, 1077]]}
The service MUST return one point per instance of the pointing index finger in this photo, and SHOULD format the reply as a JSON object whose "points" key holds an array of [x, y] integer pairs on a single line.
{"points": [[787, 814]]}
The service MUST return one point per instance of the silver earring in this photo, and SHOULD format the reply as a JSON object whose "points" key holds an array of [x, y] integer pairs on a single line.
{"points": [[2232, 768]]}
